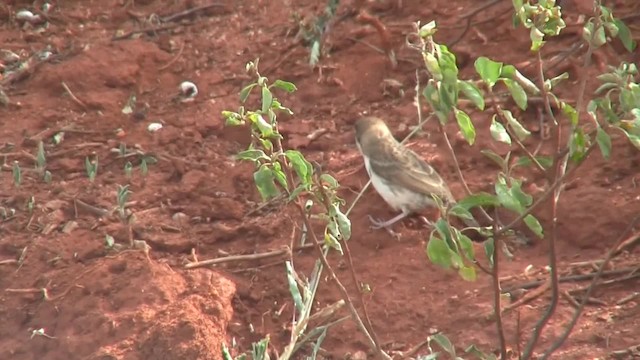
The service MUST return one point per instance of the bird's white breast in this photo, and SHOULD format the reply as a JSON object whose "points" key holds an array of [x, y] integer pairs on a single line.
{"points": [[397, 197]]}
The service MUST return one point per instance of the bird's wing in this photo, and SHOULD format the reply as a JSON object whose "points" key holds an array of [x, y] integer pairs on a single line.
{"points": [[402, 166]]}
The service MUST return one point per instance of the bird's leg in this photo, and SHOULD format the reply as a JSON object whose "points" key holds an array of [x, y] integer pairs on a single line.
{"points": [[378, 224]]}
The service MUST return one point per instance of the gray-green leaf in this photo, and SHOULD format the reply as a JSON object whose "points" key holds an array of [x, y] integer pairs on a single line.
{"points": [[517, 93], [488, 70], [438, 251], [466, 126], [521, 132], [604, 142], [498, 132], [471, 92], [534, 225]]}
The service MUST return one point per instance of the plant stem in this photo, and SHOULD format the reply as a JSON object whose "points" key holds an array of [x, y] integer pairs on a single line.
{"points": [[342, 289], [495, 274]]}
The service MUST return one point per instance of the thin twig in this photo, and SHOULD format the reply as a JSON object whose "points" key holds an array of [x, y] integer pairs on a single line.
{"points": [[74, 98], [235, 258], [183, 14], [356, 282], [633, 351], [497, 295], [559, 170], [151, 29], [99, 212], [633, 274], [556, 344], [570, 278], [175, 58]]}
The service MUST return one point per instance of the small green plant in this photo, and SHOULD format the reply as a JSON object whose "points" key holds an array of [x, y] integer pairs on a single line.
{"points": [[91, 166], [109, 242], [615, 108], [259, 351], [312, 32], [144, 168], [286, 172], [41, 159], [47, 177], [122, 150], [128, 169], [31, 204], [17, 174], [122, 195]]}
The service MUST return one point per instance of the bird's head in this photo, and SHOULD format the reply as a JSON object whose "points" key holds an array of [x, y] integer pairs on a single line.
{"points": [[370, 129]]}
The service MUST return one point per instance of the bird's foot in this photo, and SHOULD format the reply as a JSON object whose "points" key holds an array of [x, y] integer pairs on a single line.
{"points": [[379, 224], [428, 222]]}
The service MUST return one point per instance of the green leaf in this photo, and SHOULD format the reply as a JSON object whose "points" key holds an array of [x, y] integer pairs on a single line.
{"points": [[625, 35], [489, 247], [534, 225], [599, 38], [468, 273], [264, 180], [438, 251], [331, 240], [252, 155], [488, 70], [433, 66], [495, 158], [443, 229], [265, 128], [329, 180], [447, 61], [545, 161], [300, 165], [634, 139], [293, 288], [473, 350], [279, 175], [259, 349], [498, 132], [428, 29], [232, 118], [471, 92], [448, 97], [517, 93], [285, 85], [246, 91], [553, 82], [506, 197], [467, 246], [570, 112], [464, 122], [577, 145], [537, 39], [344, 224], [478, 199], [267, 99], [509, 72], [523, 198], [461, 212], [445, 343], [604, 142], [518, 129]]}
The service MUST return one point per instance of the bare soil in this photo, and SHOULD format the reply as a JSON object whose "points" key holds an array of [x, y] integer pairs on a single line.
{"points": [[106, 304]]}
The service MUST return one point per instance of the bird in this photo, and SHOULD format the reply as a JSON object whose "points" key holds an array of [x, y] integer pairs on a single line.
{"points": [[404, 180]]}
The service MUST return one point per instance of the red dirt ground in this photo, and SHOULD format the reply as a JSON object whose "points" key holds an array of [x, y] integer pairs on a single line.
{"points": [[122, 305]]}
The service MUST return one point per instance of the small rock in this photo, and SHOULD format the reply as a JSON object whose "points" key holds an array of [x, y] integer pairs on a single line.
{"points": [[359, 355], [69, 227], [180, 218]]}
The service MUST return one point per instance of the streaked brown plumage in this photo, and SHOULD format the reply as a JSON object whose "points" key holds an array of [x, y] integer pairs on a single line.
{"points": [[404, 180]]}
